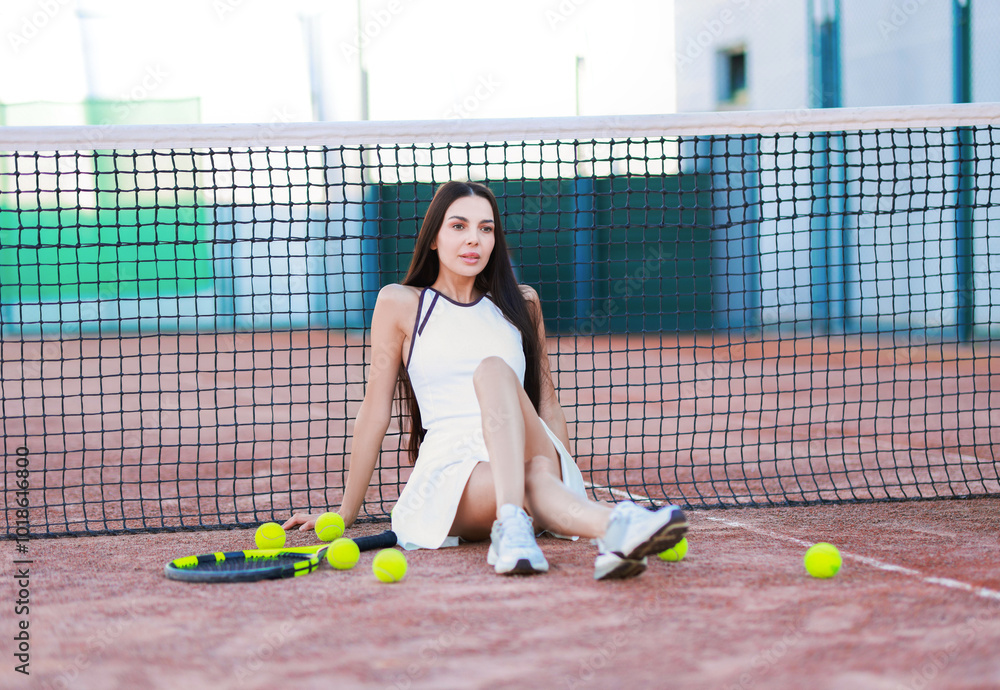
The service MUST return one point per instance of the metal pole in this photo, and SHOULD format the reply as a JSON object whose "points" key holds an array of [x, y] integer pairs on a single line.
{"points": [[362, 67], [966, 196]]}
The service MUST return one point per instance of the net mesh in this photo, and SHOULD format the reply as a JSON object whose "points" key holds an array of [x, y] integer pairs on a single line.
{"points": [[754, 318]]}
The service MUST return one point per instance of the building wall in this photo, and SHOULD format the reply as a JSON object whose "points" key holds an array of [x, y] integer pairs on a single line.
{"points": [[895, 57], [774, 33], [866, 239], [986, 52], [893, 52]]}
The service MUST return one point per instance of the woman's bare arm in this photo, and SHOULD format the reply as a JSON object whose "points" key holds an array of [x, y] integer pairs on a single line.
{"points": [[372, 421], [549, 408]]}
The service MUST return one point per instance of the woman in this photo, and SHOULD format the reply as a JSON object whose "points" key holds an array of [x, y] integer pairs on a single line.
{"points": [[466, 345]]}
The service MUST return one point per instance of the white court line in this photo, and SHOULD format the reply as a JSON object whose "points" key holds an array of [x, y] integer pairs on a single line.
{"points": [[620, 494], [983, 592], [889, 446]]}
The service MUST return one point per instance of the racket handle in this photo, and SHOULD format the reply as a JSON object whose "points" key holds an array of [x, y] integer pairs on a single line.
{"points": [[385, 540]]}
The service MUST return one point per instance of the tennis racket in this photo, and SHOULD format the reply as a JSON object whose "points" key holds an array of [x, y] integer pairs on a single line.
{"points": [[262, 564]]}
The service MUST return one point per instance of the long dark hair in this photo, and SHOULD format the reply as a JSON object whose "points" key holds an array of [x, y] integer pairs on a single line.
{"points": [[496, 278]]}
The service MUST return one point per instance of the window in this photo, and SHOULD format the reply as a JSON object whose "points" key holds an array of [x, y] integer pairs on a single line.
{"points": [[733, 77]]}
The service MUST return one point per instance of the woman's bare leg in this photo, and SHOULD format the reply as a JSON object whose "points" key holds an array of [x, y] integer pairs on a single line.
{"points": [[556, 508], [477, 509], [524, 466]]}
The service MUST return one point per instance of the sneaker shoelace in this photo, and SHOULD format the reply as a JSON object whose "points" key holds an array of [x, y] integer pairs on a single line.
{"points": [[517, 533], [623, 517]]}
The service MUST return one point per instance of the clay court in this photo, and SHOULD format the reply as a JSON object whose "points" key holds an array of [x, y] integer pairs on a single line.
{"points": [[916, 604]]}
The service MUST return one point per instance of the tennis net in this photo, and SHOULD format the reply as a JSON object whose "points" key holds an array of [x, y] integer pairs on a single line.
{"points": [[743, 309]]}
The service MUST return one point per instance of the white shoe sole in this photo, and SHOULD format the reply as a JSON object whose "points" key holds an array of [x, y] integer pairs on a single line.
{"points": [[521, 566], [611, 566]]}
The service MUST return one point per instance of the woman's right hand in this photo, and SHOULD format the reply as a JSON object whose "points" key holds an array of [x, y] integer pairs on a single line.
{"points": [[307, 521]]}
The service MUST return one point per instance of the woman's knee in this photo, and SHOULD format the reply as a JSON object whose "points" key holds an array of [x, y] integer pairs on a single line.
{"points": [[490, 371], [539, 469]]}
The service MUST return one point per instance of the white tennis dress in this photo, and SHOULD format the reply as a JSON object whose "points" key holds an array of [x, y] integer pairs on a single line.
{"points": [[449, 341]]}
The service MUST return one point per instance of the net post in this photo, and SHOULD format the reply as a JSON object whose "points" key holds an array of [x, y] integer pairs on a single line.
{"points": [[583, 247], [965, 202], [962, 71]]}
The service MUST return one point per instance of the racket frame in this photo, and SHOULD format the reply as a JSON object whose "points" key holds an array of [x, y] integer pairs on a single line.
{"points": [[292, 561]]}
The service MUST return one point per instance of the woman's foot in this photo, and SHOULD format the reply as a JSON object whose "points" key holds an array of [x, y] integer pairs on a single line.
{"points": [[634, 533], [513, 550]]}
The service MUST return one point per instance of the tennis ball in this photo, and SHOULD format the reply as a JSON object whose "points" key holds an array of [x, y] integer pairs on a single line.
{"points": [[822, 560], [389, 565], [269, 536], [330, 526], [343, 554], [677, 552]]}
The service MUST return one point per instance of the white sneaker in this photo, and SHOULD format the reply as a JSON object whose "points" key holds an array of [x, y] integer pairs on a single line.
{"points": [[513, 550], [634, 533]]}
